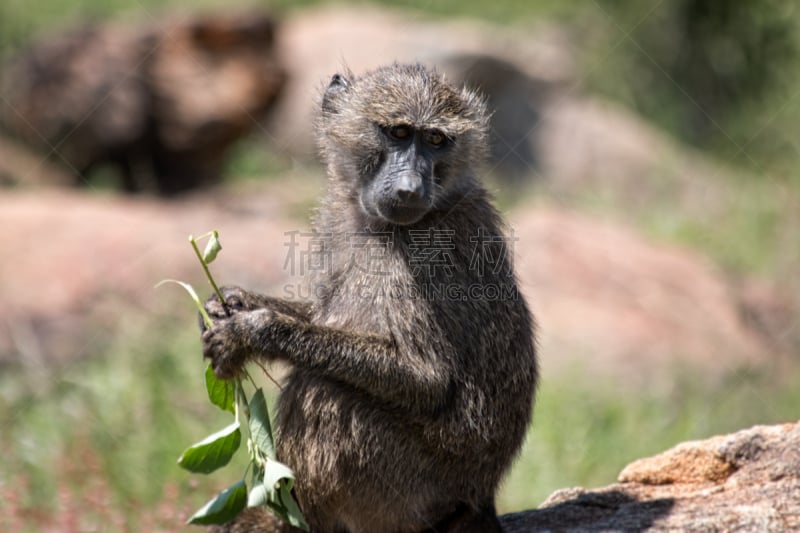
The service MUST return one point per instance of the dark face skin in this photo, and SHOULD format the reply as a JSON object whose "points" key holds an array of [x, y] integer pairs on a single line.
{"points": [[400, 169], [402, 189]]}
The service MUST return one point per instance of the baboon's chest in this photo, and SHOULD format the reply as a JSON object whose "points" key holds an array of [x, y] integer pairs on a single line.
{"points": [[366, 290]]}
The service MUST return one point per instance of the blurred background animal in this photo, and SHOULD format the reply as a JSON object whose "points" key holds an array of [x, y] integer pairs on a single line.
{"points": [[161, 104]]}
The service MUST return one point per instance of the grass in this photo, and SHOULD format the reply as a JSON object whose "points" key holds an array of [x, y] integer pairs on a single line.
{"points": [[107, 431]]}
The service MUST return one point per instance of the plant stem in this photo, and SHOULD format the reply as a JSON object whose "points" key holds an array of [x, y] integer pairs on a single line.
{"points": [[208, 273], [273, 380], [237, 397]]}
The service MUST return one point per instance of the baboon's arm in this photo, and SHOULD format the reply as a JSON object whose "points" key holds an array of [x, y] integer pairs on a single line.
{"points": [[368, 362], [238, 299], [295, 309]]}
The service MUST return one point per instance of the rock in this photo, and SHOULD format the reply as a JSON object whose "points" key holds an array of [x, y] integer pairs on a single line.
{"points": [[161, 102], [78, 266], [622, 307], [589, 146], [687, 463], [746, 481]]}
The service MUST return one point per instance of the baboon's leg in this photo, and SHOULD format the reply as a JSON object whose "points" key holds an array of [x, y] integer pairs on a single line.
{"points": [[466, 519]]}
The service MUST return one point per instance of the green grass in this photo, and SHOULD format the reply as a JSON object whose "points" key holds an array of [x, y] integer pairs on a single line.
{"points": [[111, 426]]}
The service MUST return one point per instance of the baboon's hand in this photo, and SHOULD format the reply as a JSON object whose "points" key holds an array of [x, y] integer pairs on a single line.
{"points": [[231, 341], [235, 298]]}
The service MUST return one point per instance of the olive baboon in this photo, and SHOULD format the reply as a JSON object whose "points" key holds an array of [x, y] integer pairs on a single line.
{"points": [[413, 369]]}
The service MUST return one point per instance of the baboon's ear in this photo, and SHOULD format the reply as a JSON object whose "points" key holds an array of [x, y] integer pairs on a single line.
{"points": [[337, 85]]}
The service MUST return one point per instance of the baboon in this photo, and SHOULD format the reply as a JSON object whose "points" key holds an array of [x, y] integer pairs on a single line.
{"points": [[413, 369], [160, 103]]}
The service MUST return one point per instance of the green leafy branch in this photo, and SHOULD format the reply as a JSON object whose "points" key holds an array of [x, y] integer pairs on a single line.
{"points": [[271, 482]]}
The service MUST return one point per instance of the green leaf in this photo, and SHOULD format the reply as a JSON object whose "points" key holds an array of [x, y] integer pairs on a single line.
{"points": [[278, 483], [259, 425], [221, 393], [206, 319], [276, 476], [293, 514], [275, 491], [222, 508], [213, 452], [212, 247], [259, 495], [275, 472], [278, 510]]}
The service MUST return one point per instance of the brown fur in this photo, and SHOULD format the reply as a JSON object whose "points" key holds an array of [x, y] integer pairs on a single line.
{"points": [[403, 409]]}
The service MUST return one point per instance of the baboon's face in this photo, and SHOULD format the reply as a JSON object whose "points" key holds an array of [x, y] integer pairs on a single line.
{"points": [[404, 140], [401, 189]]}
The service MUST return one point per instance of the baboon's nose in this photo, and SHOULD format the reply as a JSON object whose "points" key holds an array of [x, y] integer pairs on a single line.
{"points": [[409, 195], [410, 189]]}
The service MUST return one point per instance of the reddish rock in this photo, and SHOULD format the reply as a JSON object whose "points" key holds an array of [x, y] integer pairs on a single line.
{"points": [[746, 481], [618, 304]]}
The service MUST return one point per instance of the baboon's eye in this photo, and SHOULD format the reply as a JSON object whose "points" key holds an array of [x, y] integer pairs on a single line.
{"points": [[399, 132], [435, 138]]}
